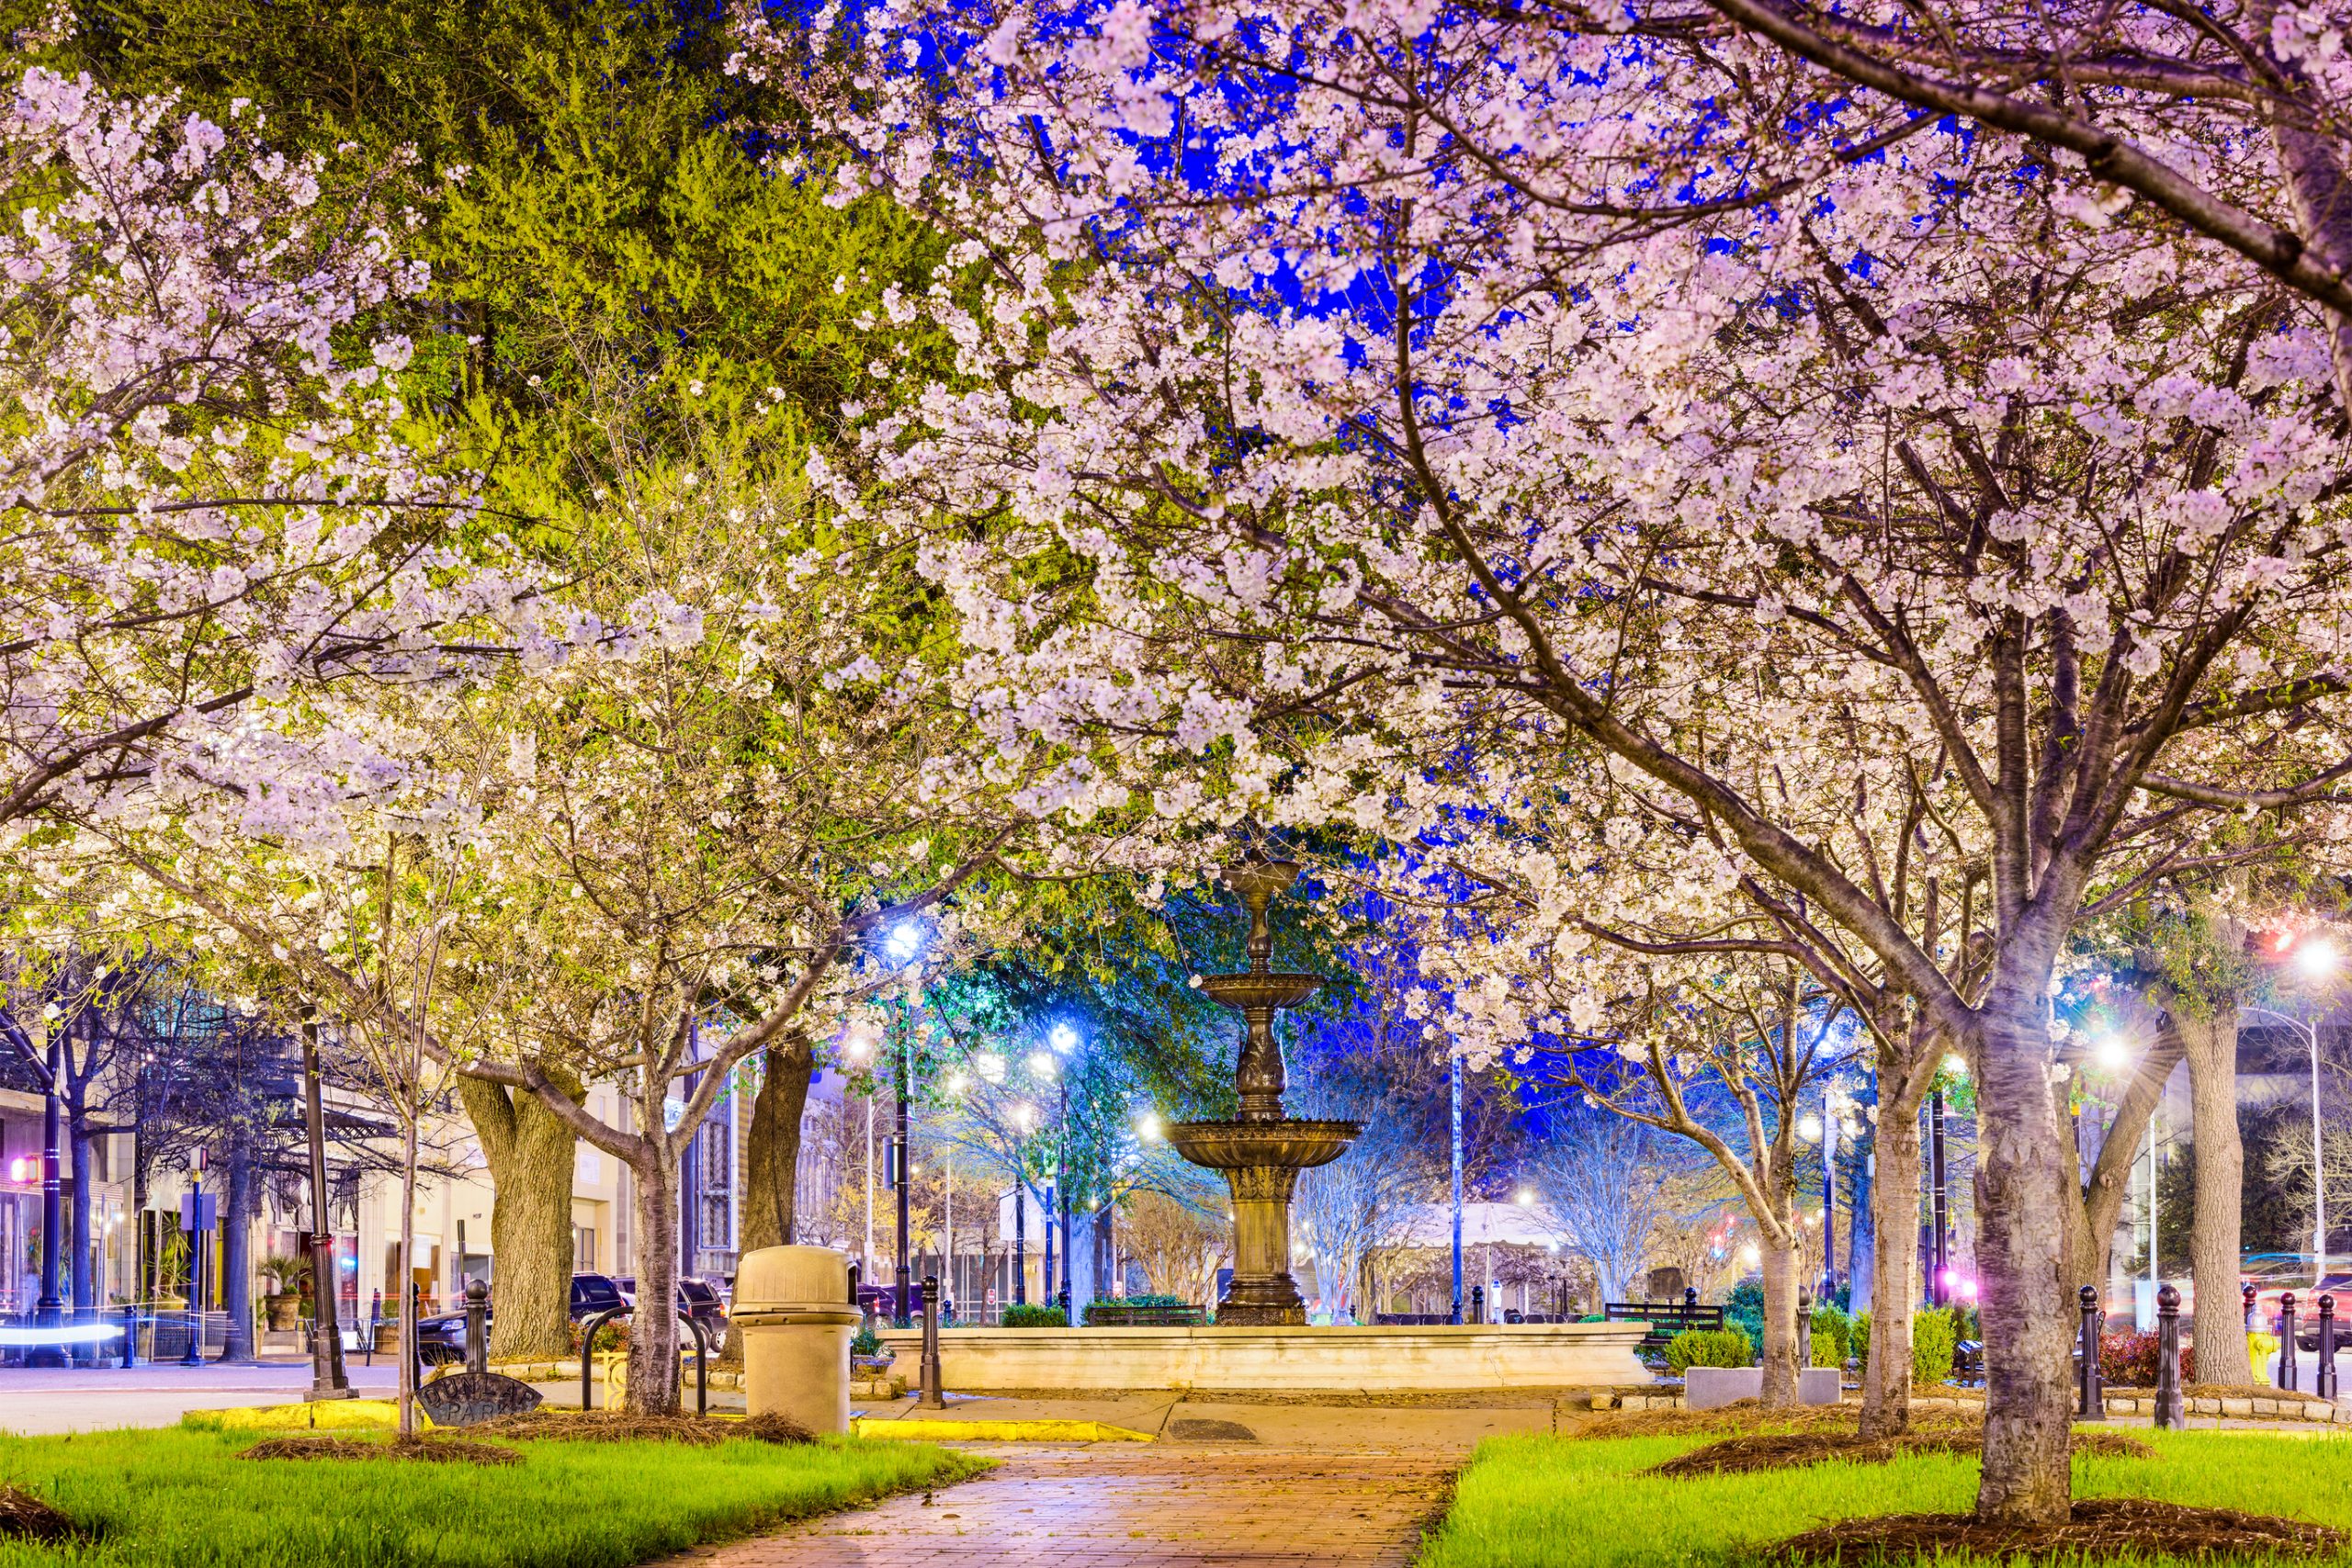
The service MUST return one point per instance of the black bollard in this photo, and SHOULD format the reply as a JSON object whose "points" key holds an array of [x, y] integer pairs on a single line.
{"points": [[2170, 1410], [2091, 1405], [1478, 1304], [1804, 1330], [2286, 1341], [2325, 1386], [934, 1395], [477, 1326], [2245, 1293]]}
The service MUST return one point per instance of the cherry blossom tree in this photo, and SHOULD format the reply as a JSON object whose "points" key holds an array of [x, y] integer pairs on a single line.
{"points": [[1906, 567], [211, 506]]}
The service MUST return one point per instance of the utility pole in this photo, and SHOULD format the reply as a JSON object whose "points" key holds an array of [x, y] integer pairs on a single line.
{"points": [[1829, 1191], [1453, 1084], [1936, 1284], [866, 1272], [327, 1379], [899, 1175]]}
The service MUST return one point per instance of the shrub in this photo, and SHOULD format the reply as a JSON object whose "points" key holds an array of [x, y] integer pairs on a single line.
{"points": [[614, 1336], [2127, 1359], [1020, 1315], [866, 1342], [1708, 1347], [1743, 1307], [1932, 1341], [1830, 1333], [1967, 1323]]}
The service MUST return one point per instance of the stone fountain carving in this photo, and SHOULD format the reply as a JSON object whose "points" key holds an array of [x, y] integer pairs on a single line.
{"points": [[1261, 1152]]}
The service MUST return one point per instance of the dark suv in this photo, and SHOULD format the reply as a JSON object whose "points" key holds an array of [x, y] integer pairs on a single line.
{"points": [[442, 1340], [697, 1299]]}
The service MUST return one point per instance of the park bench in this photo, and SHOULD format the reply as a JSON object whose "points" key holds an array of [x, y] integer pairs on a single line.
{"points": [[1666, 1319]]}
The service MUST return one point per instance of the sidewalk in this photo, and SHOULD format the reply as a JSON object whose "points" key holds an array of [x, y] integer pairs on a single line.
{"points": [[74, 1399]]}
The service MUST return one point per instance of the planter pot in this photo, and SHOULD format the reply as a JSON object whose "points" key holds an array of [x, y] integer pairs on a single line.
{"points": [[870, 1367], [285, 1312]]}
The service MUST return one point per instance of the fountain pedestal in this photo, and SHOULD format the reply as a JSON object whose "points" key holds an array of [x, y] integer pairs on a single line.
{"points": [[1260, 1162], [1261, 1154]]}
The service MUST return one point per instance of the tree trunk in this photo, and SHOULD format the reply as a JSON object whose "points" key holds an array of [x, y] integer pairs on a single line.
{"points": [[2091, 1226], [2020, 1256], [1895, 1226], [2217, 1329], [236, 1259], [772, 1147], [1778, 1385], [405, 1302], [653, 1326], [530, 1153]]}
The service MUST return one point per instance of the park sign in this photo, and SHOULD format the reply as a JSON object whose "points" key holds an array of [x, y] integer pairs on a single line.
{"points": [[465, 1399]]}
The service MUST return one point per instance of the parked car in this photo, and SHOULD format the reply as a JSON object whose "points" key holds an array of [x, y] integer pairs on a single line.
{"points": [[2275, 1274], [697, 1299], [441, 1339]]}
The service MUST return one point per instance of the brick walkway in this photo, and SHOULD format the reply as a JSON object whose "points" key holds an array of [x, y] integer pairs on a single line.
{"points": [[1114, 1505]]}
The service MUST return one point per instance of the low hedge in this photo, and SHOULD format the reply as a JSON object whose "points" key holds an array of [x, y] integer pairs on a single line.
{"points": [[1709, 1348], [1020, 1315], [1933, 1341]]}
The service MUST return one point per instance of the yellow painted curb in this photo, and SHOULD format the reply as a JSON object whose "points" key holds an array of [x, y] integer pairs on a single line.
{"points": [[1041, 1431], [320, 1416]]}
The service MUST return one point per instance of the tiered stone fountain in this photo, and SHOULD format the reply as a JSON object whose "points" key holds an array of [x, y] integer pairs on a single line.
{"points": [[1261, 1154], [1260, 1339]]}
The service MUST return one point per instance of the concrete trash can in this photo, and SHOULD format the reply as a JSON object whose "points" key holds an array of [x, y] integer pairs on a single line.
{"points": [[793, 1306]]}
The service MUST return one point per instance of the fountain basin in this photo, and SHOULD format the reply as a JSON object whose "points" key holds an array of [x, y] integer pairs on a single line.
{"points": [[1243, 1145], [1247, 992], [1361, 1361]]}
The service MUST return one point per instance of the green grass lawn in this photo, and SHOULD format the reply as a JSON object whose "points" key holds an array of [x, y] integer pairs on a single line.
{"points": [[180, 1498], [1543, 1502]]}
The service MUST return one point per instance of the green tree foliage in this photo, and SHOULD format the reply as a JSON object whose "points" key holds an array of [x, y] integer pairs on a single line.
{"points": [[591, 205]]}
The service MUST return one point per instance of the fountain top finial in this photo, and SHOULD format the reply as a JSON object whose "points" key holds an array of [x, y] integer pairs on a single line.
{"points": [[1258, 880]]}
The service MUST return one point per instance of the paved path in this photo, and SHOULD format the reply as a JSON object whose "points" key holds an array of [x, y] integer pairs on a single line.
{"points": [[1165, 1505], [90, 1398]]}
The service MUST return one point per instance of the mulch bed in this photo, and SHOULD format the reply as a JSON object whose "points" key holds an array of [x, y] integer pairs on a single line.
{"points": [[2099, 1527], [1750, 1415], [620, 1426], [26, 1517], [431, 1450], [1783, 1450]]}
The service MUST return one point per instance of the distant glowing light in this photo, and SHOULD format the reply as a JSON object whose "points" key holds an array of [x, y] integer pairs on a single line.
{"points": [[990, 1065], [1750, 1256], [1809, 1128], [1148, 1127], [1956, 1064], [1042, 1064], [67, 1333], [1023, 1117], [2317, 958], [1063, 1038], [958, 1081], [903, 943], [2112, 1051], [1526, 1197]]}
